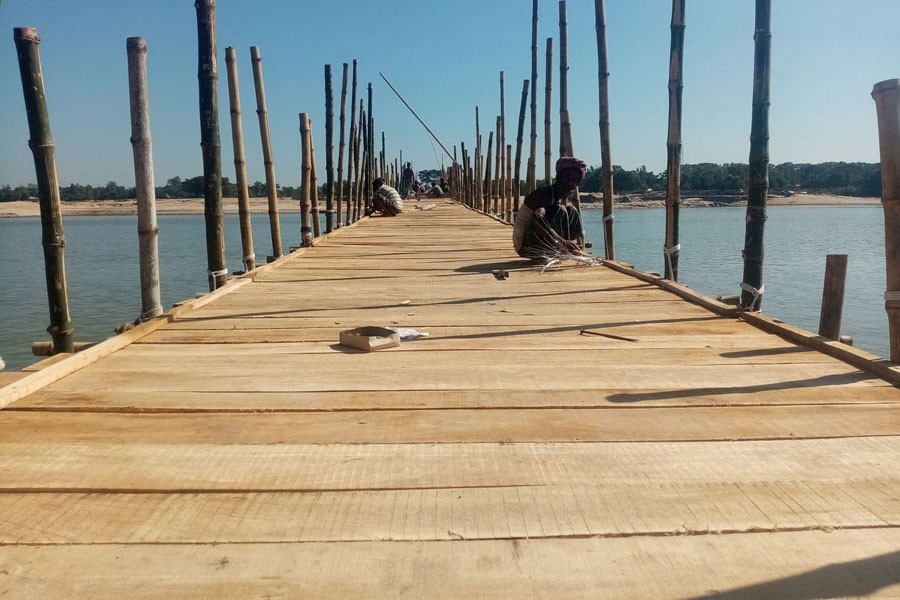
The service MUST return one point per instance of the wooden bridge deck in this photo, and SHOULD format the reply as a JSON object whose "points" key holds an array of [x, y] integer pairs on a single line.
{"points": [[239, 451]]}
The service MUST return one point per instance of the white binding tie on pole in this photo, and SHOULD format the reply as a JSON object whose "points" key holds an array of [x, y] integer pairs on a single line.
{"points": [[247, 259], [221, 273], [892, 296], [609, 218], [669, 252], [756, 293]]}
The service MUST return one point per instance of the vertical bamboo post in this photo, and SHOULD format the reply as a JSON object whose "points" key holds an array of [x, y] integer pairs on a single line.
{"points": [[383, 156], [563, 78], [548, 121], [207, 74], [673, 145], [605, 144], [313, 184], [532, 154], [341, 147], [887, 103], [488, 202], [329, 152], [240, 163], [370, 148], [465, 172], [479, 191], [353, 150], [361, 159], [142, 147], [306, 236], [504, 154], [507, 201], [516, 182], [268, 161], [396, 175], [833, 296], [40, 141], [752, 286]]}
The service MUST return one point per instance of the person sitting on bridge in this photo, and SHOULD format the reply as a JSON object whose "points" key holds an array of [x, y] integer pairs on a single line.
{"points": [[544, 224], [387, 200]]}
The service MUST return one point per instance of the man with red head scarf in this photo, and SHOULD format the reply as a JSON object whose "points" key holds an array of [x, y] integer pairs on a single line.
{"points": [[545, 225]]}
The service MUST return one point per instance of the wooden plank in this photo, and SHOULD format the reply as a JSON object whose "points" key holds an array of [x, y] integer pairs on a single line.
{"points": [[8, 377], [456, 426]]}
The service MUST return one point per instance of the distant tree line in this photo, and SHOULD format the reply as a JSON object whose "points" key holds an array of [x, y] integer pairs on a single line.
{"points": [[845, 179]]}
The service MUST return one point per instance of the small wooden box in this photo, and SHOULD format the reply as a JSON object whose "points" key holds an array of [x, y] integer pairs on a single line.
{"points": [[370, 338]]}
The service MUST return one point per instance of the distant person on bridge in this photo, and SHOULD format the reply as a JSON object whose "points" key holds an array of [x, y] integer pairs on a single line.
{"points": [[387, 200], [544, 225], [407, 177]]}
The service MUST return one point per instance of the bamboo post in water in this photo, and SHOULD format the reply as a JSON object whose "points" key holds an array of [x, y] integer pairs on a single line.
{"points": [[673, 145], [313, 184], [516, 182], [563, 78], [605, 144], [383, 156], [504, 154], [887, 103], [207, 75], [370, 148], [532, 154], [329, 152], [507, 201], [268, 161], [752, 286], [306, 236], [479, 190], [341, 147], [488, 202], [240, 163], [833, 296], [142, 147], [548, 121], [353, 151], [40, 141]]}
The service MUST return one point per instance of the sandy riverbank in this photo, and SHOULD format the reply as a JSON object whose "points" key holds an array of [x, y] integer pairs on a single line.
{"points": [[194, 206]]}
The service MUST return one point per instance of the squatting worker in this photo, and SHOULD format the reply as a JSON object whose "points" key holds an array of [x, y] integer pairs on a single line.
{"points": [[544, 224], [387, 200]]}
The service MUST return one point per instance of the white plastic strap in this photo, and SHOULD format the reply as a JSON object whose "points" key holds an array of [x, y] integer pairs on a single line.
{"points": [[757, 293], [892, 296], [221, 273], [669, 252], [608, 218], [249, 257]]}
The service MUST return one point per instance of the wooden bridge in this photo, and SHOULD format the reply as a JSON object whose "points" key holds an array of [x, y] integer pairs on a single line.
{"points": [[579, 432]]}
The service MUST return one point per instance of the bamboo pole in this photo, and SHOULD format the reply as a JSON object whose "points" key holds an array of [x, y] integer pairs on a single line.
{"points": [[465, 171], [269, 162], [341, 147], [313, 184], [752, 286], [488, 203], [887, 103], [361, 160], [517, 181], [564, 150], [833, 296], [40, 141], [240, 163], [306, 235], [383, 156], [548, 121], [207, 75], [329, 152], [504, 154], [479, 190], [142, 147], [507, 202], [370, 148], [532, 154], [673, 145], [605, 144], [497, 200], [353, 151]]}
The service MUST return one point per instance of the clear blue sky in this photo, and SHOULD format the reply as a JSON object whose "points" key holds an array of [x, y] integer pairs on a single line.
{"points": [[445, 59]]}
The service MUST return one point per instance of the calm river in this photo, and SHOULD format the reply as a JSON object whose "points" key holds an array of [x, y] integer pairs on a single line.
{"points": [[104, 291]]}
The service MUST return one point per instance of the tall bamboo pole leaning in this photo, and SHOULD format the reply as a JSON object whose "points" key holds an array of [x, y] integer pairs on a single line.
{"points": [[341, 148], [357, 155], [532, 154], [507, 201], [142, 147], [488, 202], [361, 159], [752, 285], [40, 141], [673, 145], [887, 104], [605, 144], [207, 75], [548, 121], [516, 182], [329, 152], [563, 78], [351, 155], [313, 184], [268, 161], [306, 235], [240, 163]]}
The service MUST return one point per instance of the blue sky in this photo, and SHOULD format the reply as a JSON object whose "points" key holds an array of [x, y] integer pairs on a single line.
{"points": [[445, 58]]}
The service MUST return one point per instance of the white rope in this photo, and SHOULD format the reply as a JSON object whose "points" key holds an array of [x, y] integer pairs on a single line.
{"points": [[248, 258], [892, 296], [756, 293], [221, 273], [608, 218], [669, 251]]}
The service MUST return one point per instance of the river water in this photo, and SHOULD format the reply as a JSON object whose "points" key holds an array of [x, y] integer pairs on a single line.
{"points": [[104, 289]]}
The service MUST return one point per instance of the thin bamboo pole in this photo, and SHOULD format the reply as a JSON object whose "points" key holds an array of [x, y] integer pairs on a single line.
{"points": [[306, 235], [40, 141], [548, 121], [752, 286], [240, 163], [329, 152], [833, 296], [354, 151], [887, 103], [504, 154], [383, 156], [605, 144], [341, 147], [313, 184], [268, 161], [673, 146], [361, 159], [207, 74], [517, 181], [497, 200], [479, 191], [488, 203], [564, 150], [532, 154], [370, 148], [465, 167], [142, 147], [507, 201]]}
